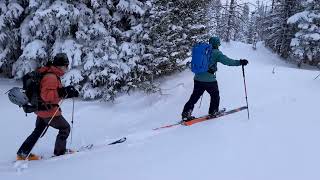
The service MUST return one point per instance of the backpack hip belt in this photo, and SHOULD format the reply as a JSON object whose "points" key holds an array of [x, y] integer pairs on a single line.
{"points": [[47, 107]]}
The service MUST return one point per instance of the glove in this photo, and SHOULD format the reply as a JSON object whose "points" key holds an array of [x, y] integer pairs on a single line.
{"points": [[29, 108], [243, 62], [68, 92]]}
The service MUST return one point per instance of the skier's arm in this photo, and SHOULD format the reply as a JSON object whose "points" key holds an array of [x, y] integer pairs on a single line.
{"points": [[227, 61]]}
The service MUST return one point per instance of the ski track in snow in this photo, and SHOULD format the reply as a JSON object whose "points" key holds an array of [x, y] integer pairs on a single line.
{"points": [[279, 141]]}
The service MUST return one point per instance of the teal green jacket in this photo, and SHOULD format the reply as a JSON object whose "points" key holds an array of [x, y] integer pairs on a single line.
{"points": [[217, 56]]}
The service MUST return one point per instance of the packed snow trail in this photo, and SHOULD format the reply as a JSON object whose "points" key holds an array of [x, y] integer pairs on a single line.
{"points": [[280, 141]]}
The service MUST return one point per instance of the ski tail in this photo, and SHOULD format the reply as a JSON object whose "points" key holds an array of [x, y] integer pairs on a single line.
{"points": [[167, 126], [90, 146], [118, 141], [208, 117]]}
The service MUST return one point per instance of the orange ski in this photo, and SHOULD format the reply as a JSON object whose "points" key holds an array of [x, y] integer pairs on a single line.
{"points": [[202, 118], [209, 117]]}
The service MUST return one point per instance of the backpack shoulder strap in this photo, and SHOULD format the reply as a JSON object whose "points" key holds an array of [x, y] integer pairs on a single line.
{"points": [[213, 68]]}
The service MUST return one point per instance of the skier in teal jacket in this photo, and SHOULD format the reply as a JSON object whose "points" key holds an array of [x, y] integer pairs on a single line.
{"points": [[207, 81]]}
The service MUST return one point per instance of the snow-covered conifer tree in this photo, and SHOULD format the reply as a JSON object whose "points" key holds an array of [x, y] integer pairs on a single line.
{"points": [[11, 13], [215, 13], [234, 20], [175, 27], [306, 43], [278, 33], [113, 45], [243, 25]]}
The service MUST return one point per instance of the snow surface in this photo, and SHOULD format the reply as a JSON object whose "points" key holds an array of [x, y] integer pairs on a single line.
{"points": [[280, 141]]}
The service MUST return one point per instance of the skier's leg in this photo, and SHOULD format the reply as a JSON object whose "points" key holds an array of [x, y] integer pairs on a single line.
{"points": [[63, 126], [198, 90], [28, 144], [213, 90]]}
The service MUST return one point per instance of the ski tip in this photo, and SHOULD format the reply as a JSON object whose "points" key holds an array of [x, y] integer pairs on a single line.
{"points": [[244, 107], [118, 141]]}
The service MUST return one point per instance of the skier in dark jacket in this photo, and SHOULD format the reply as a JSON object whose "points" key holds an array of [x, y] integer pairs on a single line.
{"points": [[206, 81], [51, 93]]}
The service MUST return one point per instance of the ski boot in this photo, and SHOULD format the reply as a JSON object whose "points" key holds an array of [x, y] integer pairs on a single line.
{"points": [[217, 113], [70, 151], [186, 116], [66, 152], [32, 157]]}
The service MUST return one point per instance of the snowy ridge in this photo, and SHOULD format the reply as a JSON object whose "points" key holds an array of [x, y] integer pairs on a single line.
{"points": [[278, 142]]}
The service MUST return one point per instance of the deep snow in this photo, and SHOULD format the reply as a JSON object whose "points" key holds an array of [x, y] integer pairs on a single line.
{"points": [[280, 141]]}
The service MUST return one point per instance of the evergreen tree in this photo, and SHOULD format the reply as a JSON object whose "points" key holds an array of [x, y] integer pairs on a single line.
{"points": [[113, 45], [306, 43], [175, 27], [231, 21], [243, 25], [260, 17], [252, 28], [11, 16], [215, 15], [278, 33], [257, 25], [102, 39]]}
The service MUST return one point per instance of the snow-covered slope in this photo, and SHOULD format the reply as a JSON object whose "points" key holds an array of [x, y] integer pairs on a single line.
{"points": [[280, 141]]}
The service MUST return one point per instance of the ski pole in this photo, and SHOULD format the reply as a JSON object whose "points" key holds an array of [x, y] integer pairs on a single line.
{"points": [[44, 130], [245, 89], [72, 119], [316, 77]]}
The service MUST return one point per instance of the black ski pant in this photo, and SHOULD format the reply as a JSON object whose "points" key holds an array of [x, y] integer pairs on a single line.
{"points": [[198, 90], [57, 122]]}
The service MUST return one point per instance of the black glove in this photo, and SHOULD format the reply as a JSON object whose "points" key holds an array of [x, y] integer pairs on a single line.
{"points": [[29, 108], [68, 92], [243, 62]]}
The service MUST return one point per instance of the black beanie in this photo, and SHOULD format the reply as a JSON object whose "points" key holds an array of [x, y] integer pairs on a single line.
{"points": [[61, 59]]}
